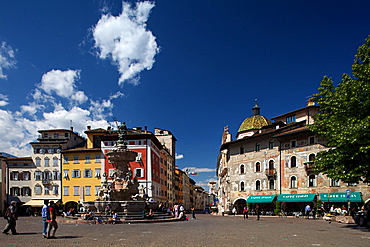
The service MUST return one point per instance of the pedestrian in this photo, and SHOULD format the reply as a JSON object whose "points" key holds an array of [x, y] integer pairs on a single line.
{"points": [[193, 213], [108, 209], [307, 211], [245, 212], [258, 212], [45, 218], [12, 217], [53, 225], [234, 211], [223, 211]]}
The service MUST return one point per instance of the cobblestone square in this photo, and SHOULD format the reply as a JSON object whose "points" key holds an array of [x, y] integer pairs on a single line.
{"points": [[206, 230]]}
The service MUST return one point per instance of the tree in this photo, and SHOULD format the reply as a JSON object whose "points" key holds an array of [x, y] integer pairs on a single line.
{"points": [[344, 121]]}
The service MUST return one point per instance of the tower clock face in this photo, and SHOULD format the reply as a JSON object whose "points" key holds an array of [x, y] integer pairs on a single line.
{"points": [[50, 150]]}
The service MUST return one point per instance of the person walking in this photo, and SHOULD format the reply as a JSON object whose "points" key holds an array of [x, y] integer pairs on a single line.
{"points": [[53, 225], [45, 217], [234, 211], [223, 211], [245, 212], [12, 217], [307, 211], [258, 212], [193, 213]]}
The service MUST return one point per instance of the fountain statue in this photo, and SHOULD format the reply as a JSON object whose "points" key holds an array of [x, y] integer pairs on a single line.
{"points": [[123, 193]]}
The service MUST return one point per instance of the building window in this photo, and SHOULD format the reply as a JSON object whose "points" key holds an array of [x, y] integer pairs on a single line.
{"points": [[258, 167], [38, 190], [242, 169], [271, 184], [65, 173], [46, 190], [55, 161], [334, 183], [271, 144], [139, 173], [87, 159], [14, 176], [98, 172], [76, 173], [258, 147], [38, 175], [87, 190], [293, 161], [26, 176], [55, 190], [311, 140], [65, 159], [97, 158], [75, 159], [75, 190], [290, 119], [258, 185], [311, 157], [97, 190], [66, 135], [293, 182], [26, 191], [14, 191], [56, 175], [87, 173], [293, 143], [38, 161], [56, 135], [66, 190], [242, 186], [271, 165], [46, 161], [311, 181], [241, 151]]}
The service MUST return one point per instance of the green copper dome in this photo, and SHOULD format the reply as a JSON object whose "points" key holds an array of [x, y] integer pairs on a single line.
{"points": [[255, 122]]}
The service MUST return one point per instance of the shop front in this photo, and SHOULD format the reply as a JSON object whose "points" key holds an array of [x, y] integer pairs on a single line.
{"points": [[294, 204], [341, 199], [266, 203]]}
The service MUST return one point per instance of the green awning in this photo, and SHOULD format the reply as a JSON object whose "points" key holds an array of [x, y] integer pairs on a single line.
{"points": [[260, 198], [308, 197], [341, 197]]}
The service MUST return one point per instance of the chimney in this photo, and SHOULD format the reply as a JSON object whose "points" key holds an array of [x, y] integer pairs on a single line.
{"points": [[71, 128], [108, 128], [139, 128], [88, 127]]}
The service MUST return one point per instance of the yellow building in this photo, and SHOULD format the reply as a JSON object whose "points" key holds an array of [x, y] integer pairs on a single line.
{"points": [[82, 171]]}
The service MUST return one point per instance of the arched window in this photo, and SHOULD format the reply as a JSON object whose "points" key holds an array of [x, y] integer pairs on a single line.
{"points": [[258, 167], [258, 185], [242, 169], [293, 161], [242, 186], [258, 146], [311, 157], [311, 181], [272, 184], [46, 161], [241, 151], [271, 165], [293, 182]]}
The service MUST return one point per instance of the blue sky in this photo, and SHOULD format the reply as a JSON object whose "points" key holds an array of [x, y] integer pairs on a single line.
{"points": [[191, 67]]}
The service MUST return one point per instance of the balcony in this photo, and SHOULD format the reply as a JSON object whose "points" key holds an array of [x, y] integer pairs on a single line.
{"points": [[46, 181], [271, 172], [310, 167]]}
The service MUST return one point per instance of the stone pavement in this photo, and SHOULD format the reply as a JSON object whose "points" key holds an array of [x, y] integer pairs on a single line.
{"points": [[206, 230]]}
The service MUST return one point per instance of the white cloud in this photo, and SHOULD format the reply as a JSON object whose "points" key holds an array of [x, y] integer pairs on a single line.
{"points": [[125, 40], [199, 170], [3, 100], [179, 156], [62, 83], [7, 59]]}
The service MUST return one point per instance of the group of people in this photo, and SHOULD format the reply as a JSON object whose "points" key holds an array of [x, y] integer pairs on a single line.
{"points": [[338, 210], [49, 215]]}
